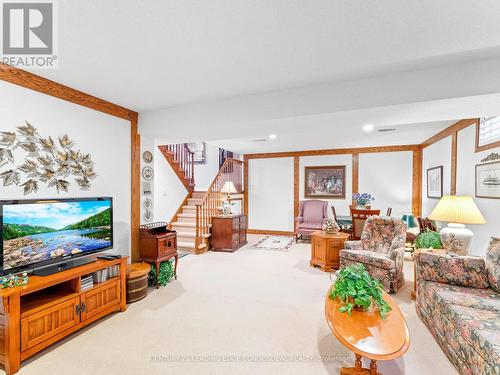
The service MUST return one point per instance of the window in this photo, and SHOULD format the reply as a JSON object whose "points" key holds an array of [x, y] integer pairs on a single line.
{"points": [[488, 133]]}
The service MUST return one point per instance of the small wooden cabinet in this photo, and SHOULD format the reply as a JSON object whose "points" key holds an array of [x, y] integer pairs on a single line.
{"points": [[229, 232], [325, 249], [157, 244]]}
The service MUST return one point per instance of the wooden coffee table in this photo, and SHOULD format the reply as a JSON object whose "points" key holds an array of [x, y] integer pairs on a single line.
{"points": [[325, 248], [368, 335]]}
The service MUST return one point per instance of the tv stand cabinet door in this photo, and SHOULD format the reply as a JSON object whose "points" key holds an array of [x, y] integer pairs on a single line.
{"points": [[99, 299], [43, 325]]}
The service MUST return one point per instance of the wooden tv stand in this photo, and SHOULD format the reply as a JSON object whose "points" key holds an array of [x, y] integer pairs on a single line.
{"points": [[49, 308]]}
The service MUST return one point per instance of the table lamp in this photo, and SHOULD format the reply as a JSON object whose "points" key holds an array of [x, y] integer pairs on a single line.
{"points": [[457, 211], [228, 188]]}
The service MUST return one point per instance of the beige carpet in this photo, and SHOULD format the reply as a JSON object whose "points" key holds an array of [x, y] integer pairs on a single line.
{"points": [[249, 312]]}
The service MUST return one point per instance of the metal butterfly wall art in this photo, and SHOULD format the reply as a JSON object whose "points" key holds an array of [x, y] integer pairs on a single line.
{"points": [[45, 161]]}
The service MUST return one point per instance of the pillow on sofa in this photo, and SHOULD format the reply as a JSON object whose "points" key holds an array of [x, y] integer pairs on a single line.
{"points": [[466, 271], [492, 260]]}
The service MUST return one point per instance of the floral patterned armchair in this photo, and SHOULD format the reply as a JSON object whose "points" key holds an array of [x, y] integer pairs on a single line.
{"points": [[458, 298], [381, 250]]}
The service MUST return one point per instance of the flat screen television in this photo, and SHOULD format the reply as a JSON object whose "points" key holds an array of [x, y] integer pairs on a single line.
{"points": [[37, 233]]}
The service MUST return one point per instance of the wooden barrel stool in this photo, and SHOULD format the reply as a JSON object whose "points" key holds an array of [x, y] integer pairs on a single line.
{"points": [[137, 281]]}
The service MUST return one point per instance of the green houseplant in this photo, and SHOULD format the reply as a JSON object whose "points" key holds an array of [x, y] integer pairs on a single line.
{"points": [[356, 289], [428, 239], [166, 273]]}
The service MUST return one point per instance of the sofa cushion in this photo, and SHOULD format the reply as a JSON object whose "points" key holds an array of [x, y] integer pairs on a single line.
{"points": [[463, 316], [479, 328], [492, 260], [382, 234], [446, 294], [369, 257], [457, 270], [310, 226]]}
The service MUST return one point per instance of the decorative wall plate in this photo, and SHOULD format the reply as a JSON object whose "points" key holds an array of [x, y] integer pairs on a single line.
{"points": [[148, 215], [147, 203], [147, 156], [147, 173]]}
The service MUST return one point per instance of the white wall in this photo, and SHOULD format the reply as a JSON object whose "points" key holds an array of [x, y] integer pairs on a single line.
{"points": [[440, 154], [169, 192], [490, 208], [270, 194], [105, 137], [341, 205], [147, 144], [436, 155], [388, 177], [204, 174]]}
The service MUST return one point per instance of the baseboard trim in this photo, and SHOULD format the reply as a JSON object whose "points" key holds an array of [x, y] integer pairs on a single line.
{"points": [[271, 232]]}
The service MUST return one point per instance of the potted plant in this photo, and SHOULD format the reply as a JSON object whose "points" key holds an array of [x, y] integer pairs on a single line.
{"points": [[363, 200], [330, 226], [428, 240], [357, 290]]}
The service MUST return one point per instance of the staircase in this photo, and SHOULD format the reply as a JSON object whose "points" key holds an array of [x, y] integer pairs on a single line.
{"points": [[193, 219], [181, 159], [185, 222]]}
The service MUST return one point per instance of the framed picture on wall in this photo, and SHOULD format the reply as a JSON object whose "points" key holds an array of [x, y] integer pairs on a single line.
{"points": [[435, 182], [325, 182], [488, 180]]}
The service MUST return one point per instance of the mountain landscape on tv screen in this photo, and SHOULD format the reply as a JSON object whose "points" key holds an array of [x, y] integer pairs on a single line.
{"points": [[25, 243]]}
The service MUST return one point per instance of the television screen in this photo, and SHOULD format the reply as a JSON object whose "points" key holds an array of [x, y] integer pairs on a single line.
{"points": [[35, 232]]}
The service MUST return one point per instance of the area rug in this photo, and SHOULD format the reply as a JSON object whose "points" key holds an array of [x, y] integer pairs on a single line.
{"points": [[279, 243]]}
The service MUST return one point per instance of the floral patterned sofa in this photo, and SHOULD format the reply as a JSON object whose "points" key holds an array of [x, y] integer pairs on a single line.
{"points": [[381, 250], [458, 298]]}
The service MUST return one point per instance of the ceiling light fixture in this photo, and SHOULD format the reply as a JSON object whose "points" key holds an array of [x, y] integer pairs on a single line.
{"points": [[368, 128], [272, 136]]}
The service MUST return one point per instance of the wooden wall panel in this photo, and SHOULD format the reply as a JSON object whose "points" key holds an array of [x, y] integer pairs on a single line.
{"points": [[417, 183], [135, 190], [245, 185], [46, 86], [296, 178], [456, 127], [355, 173], [453, 182], [336, 151]]}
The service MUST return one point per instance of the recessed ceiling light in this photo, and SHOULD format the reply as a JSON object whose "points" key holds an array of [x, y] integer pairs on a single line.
{"points": [[368, 128], [272, 136]]}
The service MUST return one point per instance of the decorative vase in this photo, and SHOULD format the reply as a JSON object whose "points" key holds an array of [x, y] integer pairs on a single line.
{"points": [[456, 238], [363, 207]]}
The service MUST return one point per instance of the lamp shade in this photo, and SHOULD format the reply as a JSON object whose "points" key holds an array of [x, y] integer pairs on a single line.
{"points": [[457, 209], [229, 188]]}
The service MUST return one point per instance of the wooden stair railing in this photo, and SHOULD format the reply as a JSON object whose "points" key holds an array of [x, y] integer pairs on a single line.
{"points": [[211, 204], [181, 159]]}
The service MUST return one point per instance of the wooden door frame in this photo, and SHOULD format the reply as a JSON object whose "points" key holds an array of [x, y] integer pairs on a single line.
{"points": [[46, 86]]}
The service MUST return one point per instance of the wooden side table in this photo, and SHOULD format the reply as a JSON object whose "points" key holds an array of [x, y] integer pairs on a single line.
{"points": [[414, 254], [325, 249]]}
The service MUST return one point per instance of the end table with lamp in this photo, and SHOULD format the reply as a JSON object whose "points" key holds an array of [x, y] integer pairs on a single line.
{"points": [[457, 211]]}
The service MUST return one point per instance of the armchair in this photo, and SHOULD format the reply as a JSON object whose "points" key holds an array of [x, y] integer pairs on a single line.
{"points": [[381, 250], [311, 216]]}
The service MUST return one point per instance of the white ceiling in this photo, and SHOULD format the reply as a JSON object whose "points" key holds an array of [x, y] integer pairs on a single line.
{"points": [[147, 54], [310, 138]]}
